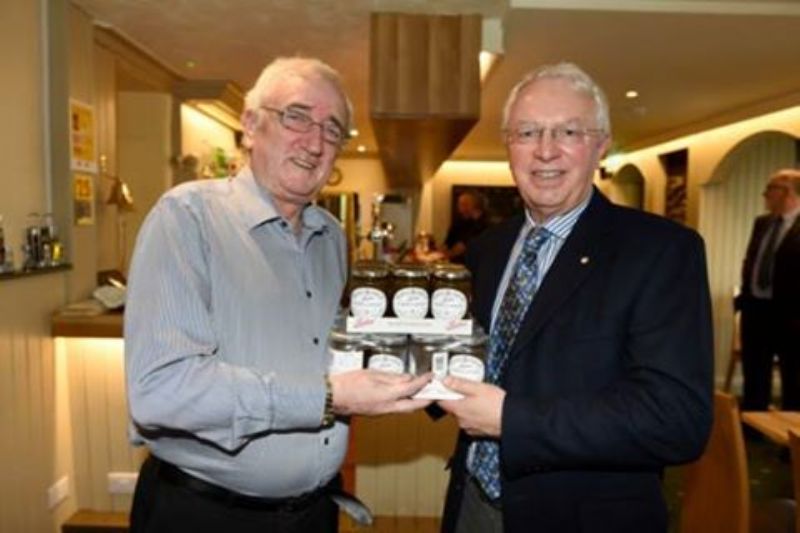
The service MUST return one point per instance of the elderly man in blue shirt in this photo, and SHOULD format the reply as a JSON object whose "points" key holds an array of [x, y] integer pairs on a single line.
{"points": [[234, 286]]}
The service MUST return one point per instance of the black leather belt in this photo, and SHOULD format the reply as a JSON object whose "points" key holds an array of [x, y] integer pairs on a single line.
{"points": [[175, 476]]}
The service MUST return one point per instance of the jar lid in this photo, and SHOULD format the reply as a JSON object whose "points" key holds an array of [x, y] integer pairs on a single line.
{"points": [[477, 338], [410, 271], [427, 338], [451, 272], [386, 340], [370, 269], [344, 336]]}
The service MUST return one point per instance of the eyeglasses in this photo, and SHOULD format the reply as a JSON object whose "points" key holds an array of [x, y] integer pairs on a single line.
{"points": [[774, 187], [560, 135], [297, 121]]}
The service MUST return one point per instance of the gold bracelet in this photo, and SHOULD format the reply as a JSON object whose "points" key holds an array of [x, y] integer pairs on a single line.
{"points": [[328, 416]]}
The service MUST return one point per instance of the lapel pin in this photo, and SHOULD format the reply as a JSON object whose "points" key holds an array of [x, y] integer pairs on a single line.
{"points": [[585, 260]]}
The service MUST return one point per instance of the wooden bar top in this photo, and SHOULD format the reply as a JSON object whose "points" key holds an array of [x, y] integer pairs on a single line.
{"points": [[107, 325], [774, 424]]}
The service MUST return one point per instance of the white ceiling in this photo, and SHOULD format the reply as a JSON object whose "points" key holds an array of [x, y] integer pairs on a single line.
{"points": [[695, 63]]}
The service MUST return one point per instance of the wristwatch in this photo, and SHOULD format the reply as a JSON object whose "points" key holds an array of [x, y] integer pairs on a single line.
{"points": [[328, 416]]}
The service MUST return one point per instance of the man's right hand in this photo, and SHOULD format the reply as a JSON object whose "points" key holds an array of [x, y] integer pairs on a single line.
{"points": [[370, 392]]}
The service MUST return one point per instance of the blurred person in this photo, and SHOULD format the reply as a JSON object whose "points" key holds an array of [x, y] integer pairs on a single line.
{"points": [[471, 222], [234, 287], [770, 297], [600, 363]]}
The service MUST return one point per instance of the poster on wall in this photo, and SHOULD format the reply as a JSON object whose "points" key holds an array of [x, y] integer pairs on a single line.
{"points": [[82, 137], [83, 199]]}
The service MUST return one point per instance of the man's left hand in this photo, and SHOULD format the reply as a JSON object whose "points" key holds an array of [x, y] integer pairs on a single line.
{"points": [[480, 412]]}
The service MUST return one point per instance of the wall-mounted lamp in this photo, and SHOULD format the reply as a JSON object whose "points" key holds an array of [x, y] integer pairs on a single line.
{"points": [[221, 100]]}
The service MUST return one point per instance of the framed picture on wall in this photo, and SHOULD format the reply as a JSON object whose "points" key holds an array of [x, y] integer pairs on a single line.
{"points": [[502, 202], [82, 137], [83, 199]]}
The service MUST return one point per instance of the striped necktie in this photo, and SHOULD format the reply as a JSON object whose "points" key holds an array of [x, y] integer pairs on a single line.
{"points": [[485, 460]]}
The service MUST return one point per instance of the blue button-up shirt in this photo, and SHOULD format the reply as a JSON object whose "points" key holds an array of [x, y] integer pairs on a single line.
{"points": [[226, 324]]}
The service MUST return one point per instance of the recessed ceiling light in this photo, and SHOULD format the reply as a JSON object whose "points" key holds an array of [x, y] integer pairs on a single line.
{"points": [[631, 94], [361, 148], [353, 133], [191, 63]]}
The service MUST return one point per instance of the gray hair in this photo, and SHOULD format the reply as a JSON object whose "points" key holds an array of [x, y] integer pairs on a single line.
{"points": [[305, 67], [791, 177], [579, 80]]}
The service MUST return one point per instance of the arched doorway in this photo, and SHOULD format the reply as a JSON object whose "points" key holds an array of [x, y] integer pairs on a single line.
{"points": [[627, 187], [729, 202]]}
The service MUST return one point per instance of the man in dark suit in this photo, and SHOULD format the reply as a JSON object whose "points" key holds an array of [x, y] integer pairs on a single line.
{"points": [[600, 360], [770, 297]]}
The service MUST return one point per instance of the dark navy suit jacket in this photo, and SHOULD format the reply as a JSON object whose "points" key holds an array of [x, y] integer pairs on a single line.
{"points": [[609, 379]]}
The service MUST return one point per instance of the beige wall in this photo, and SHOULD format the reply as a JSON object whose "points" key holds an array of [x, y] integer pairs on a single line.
{"points": [[34, 442]]}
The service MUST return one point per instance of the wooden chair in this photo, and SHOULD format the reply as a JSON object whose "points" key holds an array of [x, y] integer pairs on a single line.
{"points": [[794, 448], [716, 495], [736, 351], [716, 491]]}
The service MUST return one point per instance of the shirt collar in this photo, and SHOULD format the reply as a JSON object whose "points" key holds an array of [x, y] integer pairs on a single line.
{"points": [[257, 206], [561, 225]]}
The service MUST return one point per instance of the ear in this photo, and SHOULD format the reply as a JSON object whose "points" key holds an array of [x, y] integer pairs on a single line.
{"points": [[249, 123]]}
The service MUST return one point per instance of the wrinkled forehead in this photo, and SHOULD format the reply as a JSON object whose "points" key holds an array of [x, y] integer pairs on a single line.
{"points": [[311, 93], [553, 99]]}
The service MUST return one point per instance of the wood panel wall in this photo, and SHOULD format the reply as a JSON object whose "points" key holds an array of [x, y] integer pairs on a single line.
{"points": [[34, 441]]}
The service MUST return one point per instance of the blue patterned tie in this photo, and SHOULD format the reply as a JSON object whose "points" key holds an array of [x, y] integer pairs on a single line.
{"points": [[485, 463]]}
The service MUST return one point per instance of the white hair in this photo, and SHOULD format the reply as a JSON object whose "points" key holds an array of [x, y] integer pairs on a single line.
{"points": [[577, 79], [305, 67]]}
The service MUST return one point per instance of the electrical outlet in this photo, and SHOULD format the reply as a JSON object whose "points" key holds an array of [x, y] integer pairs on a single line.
{"points": [[58, 492], [122, 482]]}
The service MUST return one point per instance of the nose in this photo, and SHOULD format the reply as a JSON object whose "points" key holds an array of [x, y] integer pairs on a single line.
{"points": [[545, 147], [314, 141]]}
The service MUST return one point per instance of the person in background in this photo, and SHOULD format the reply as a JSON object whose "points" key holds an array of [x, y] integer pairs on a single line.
{"points": [[600, 364], [234, 286], [770, 297], [471, 222]]}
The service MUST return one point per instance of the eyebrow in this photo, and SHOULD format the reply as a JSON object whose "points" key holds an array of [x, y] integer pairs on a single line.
{"points": [[308, 108]]}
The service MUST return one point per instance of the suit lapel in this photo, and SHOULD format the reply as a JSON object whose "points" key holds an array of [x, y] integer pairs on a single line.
{"points": [[498, 254], [576, 259], [791, 235]]}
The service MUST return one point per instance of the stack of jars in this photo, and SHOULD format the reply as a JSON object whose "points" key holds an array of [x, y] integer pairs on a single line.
{"points": [[411, 292], [460, 356], [377, 290]]}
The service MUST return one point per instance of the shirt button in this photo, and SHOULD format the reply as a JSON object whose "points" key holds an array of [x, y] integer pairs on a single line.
{"points": [[316, 340], [283, 224], [308, 293], [326, 441]]}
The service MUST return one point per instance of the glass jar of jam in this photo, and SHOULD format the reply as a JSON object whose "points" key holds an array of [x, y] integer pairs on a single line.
{"points": [[410, 298], [369, 289], [347, 351], [451, 292], [468, 356], [387, 353], [428, 353]]}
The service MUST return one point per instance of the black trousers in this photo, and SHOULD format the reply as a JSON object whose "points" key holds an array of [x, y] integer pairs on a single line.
{"points": [[764, 335], [163, 507]]}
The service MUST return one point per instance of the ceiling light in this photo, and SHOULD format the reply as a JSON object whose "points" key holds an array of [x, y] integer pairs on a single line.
{"points": [[361, 148], [190, 64], [631, 94], [353, 133]]}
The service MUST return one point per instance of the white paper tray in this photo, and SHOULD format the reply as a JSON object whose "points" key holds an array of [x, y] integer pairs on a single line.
{"points": [[436, 391], [419, 326]]}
